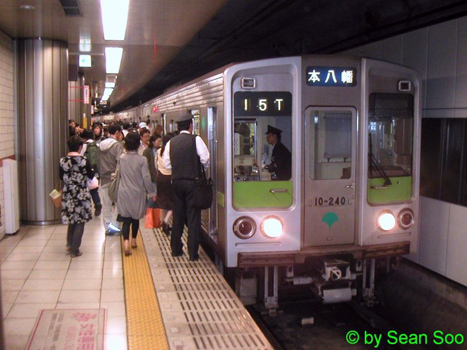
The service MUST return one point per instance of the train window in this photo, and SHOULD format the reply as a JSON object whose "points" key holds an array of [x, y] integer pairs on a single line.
{"points": [[332, 146], [390, 132]]}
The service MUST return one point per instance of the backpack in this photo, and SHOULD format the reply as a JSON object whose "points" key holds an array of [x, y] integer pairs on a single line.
{"points": [[92, 154]]}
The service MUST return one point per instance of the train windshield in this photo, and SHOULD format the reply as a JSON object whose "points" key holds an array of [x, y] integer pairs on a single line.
{"points": [[391, 123], [262, 136]]}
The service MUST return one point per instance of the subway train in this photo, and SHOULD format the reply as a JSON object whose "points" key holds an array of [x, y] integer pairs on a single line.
{"points": [[346, 199]]}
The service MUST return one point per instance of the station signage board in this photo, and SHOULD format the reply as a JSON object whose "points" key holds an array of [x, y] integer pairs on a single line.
{"points": [[331, 76]]}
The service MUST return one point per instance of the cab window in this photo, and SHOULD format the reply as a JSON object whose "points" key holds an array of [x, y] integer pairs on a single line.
{"points": [[262, 136]]}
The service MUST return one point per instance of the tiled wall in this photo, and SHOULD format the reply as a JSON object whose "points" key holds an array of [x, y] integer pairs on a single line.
{"points": [[7, 121]]}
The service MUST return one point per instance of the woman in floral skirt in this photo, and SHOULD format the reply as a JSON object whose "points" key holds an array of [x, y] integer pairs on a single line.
{"points": [[75, 170]]}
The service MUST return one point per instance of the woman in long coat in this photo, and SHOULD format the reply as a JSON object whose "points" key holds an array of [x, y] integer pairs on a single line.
{"points": [[75, 171], [135, 182]]}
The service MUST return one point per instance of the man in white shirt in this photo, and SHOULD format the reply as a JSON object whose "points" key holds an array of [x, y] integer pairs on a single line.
{"points": [[183, 155]]}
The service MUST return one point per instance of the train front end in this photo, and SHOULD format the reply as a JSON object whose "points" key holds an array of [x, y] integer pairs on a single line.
{"points": [[262, 202], [348, 130]]}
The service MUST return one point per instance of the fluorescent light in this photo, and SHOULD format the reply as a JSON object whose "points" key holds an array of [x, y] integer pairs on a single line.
{"points": [[110, 81], [85, 45], [107, 93], [114, 18], [85, 61], [113, 58], [84, 39]]}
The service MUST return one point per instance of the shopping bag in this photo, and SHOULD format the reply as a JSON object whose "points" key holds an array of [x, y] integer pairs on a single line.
{"points": [[156, 213], [56, 197], [152, 218]]}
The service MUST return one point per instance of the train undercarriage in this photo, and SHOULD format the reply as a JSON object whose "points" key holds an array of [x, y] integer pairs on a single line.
{"points": [[332, 274]]}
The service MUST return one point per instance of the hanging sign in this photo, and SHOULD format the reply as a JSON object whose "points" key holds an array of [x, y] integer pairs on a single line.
{"points": [[86, 94]]}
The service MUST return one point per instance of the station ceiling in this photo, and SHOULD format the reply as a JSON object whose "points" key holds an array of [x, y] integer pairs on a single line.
{"points": [[170, 42]]}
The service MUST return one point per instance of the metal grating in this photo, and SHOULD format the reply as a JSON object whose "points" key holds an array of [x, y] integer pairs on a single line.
{"points": [[198, 307], [71, 7]]}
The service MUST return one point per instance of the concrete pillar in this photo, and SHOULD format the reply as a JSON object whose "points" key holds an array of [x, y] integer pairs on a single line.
{"points": [[75, 99], [42, 68]]}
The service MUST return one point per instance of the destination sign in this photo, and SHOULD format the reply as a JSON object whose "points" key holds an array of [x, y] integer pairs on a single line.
{"points": [[266, 103], [331, 76]]}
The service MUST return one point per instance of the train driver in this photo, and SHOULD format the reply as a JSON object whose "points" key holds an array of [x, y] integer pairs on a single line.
{"points": [[281, 158]]}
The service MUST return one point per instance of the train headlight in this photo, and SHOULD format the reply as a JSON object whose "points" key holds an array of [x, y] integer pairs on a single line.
{"points": [[244, 227], [272, 227], [386, 221], [406, 218]]}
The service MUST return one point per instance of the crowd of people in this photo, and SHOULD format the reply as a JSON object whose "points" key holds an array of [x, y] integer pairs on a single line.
{"points": [[154, 170]]}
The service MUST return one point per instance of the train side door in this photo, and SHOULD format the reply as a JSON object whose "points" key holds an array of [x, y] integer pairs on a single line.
{"points": [[330, 164], [211, 221]]}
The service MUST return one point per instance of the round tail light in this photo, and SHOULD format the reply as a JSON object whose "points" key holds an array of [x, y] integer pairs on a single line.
{"points": [[244, 227]]}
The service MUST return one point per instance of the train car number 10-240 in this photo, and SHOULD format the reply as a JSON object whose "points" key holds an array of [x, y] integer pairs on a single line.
{"points": [[331, 201]]}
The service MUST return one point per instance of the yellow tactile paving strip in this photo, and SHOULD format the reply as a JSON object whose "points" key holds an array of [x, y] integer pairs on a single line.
{"points": [[145, 329]]}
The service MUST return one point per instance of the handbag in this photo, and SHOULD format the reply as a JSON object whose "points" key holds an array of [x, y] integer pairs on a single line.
{"points": [[114, 184]]}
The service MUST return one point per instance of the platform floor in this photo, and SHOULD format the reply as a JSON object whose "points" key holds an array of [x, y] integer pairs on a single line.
{"points": [[197, 307]]}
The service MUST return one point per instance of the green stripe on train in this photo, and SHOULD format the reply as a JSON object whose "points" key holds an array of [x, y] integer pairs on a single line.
{"points": [[399, 191], [255, 194]]}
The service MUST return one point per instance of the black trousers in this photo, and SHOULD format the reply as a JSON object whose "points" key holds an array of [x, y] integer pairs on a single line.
{"points": [[184, 211], [126, 228], [95, 197], [74, 236]]}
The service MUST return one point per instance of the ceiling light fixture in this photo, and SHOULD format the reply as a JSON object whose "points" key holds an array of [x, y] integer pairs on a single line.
{"points": [[114, 18], [113, 58], [107, 93], [110, 81], [84, 40], [85, 45]]}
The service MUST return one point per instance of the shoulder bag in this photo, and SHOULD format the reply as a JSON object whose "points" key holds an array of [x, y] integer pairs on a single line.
{"points": [[203, 186]]}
